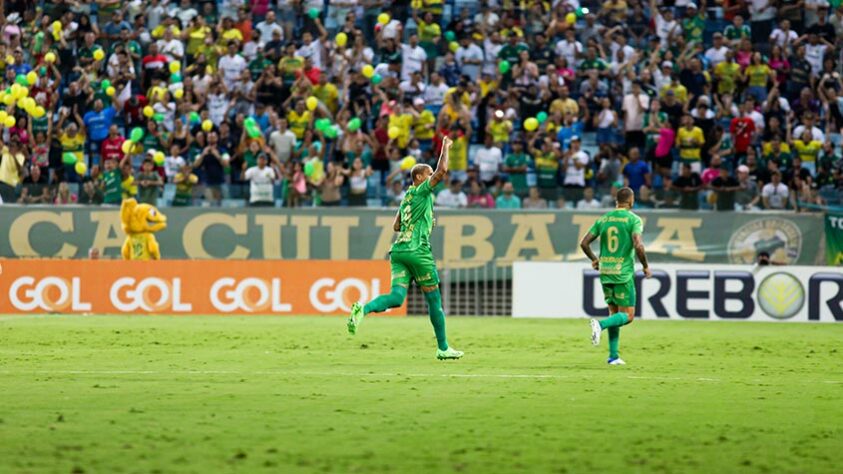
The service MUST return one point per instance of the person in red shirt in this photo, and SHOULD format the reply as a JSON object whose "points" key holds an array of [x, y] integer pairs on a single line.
{"points": [[742, 129], [310, 71], [112, 146], [152, 65]]}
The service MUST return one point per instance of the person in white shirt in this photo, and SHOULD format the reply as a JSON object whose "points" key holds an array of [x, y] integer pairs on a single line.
{"points": [[282, 140], [783, 36], [413, 58], [666, 25], [469, 56], [185, 13], [312, 48], [453, 197], [569, 48], [488, 160], [491, 47], [588, 201], [775, 193], [434, 93], [716, 54], [173, 163], [574, 163], [171, 47], [231, 65], [154, 13], [261, 179], [815, 52], [808, 124], [635, 105], [812, 13], [267, 27]]}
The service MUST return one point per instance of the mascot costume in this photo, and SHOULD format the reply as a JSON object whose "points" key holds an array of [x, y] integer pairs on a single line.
{"points": [[140, 221]]}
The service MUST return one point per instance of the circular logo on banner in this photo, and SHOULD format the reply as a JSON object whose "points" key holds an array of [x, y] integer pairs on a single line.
{"points": [[779, 237], [781, 295]]}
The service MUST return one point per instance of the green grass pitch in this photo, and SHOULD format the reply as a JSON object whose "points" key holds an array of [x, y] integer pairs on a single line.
{"points": [[294, 394]]}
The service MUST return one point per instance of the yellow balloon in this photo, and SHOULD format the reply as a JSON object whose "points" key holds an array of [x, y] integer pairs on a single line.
{"points": [[9, 99], [368, 71], [341, 39], [127, 147], [50, 57], [81, 167], [312, 103], [393, 132], [29, 103], [23, 91], [110, 91], [38, 111], [10, 121], [383, 18], [3, 116], [10, 60], [31, 78], [57, 25], [158, 158], [531, 124], [207, 125], [178, 94], [453, 46], [175, 67], [148, 111], [571, 18], [21, 103], [99, 55], [407, 163]]}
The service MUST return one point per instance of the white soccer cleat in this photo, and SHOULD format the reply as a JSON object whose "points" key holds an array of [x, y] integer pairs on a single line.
{"points": [[616, 361], [596, 331]]}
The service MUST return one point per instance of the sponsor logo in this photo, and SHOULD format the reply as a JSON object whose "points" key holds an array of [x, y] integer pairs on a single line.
{"points": [[50, 293], [148, 294], [781, 295], [779, 237], [328, 295], [252, 295]]}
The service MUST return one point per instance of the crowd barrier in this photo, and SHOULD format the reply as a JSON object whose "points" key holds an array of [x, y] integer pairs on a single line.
{"points": [[198, 287]]}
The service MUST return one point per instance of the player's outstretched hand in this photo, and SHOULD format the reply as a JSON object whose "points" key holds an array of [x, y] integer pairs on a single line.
{"points": [[447, 142], [648, 273], [595, 264]]}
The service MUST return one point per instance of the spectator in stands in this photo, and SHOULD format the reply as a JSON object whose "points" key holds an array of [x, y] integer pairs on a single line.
{"points": [[452, 197], [478, 197], [508, 199], [689, 185], [261, 178], [775, 194], [588, 202]]}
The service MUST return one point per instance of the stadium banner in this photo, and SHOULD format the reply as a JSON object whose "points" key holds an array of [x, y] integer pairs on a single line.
{"points": [[180, 287], [690, 292], [834, 239], [462, 239]]}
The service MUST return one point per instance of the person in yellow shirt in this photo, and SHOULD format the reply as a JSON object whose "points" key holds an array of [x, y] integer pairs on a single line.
{"points": [[299, 119], [727, 73], [290, 66], [460, 133], [757, 75], [11, 169], [403, 120], [564, 104], [327, 93], [500, 128], [424, 124], [690, 140], [429, 35], [195, 35], [168, 22], [679, 91], [229, 32], [808, 149]]}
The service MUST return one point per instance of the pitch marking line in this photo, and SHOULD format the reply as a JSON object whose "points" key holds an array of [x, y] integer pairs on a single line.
{"points": [[328, 374]]}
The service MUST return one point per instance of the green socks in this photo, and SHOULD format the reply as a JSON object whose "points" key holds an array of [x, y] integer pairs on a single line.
{"points": [[383, 302], [614, 321], [614, 341], [437, 317]]}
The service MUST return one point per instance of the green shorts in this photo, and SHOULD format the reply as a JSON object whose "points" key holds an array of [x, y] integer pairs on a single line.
{"points": [[419, 266], [620, 294]]}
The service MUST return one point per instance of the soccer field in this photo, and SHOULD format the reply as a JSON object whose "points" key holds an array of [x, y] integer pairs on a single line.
{"points": [[295, 394]]}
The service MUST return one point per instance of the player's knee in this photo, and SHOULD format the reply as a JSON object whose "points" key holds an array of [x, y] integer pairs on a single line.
{"points": [[429, 289], [397, 296], [630, 318]]}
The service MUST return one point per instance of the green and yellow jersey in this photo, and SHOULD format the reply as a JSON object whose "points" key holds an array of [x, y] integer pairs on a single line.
{"points": [[416, 217], [615, 230]]}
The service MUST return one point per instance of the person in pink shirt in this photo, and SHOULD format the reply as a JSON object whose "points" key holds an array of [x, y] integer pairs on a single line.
{"points": [[479, 197]]}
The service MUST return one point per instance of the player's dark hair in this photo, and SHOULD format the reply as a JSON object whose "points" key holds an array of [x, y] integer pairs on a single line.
{"points": [[625, 195]]}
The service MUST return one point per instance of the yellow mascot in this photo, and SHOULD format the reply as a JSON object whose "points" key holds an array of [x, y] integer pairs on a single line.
{"points": [[140, 221]]}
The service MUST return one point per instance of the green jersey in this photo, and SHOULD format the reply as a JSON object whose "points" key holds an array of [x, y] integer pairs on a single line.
{"points": [[111, 184], [416, 211], [615, 229]]}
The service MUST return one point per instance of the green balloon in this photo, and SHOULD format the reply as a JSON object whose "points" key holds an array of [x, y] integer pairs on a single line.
{"points": [[331, 132], [541, 116], [313, 13], [309, 168], [21, 79], [254, 131], [69, 158], [322, 124], [450, 36], [504, 66], [136, 135], [105, 84], [193, 117], [377, 79], [175, 77], [354, 124], [158, 117]]}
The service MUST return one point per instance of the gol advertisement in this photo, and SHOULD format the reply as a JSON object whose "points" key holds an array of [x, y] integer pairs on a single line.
{"points": [[184, 287]]}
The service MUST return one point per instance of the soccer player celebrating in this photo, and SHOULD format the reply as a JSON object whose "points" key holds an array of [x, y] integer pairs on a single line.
{"points": [[411, 256], [619, 232]]}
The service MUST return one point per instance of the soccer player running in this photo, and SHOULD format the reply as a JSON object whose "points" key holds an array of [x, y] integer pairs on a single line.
{"points": [[411, 256], [619, 232]]}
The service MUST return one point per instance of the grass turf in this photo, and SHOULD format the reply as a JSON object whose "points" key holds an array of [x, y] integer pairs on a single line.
{"points": [[293, 394]]}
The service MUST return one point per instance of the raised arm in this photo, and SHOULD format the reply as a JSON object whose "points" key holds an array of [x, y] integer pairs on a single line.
{"points": [[638, 244], [442, 165]]}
